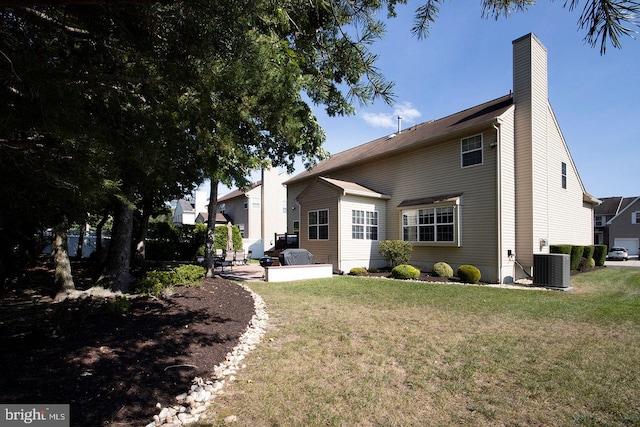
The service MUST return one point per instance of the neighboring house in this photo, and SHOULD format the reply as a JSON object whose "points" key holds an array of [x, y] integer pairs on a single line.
{"points": [[610, 207], [489, 186], [623, 229], [187, 210], [259, 211]]}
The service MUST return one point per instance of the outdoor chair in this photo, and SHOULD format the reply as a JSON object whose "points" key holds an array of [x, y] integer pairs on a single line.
{"points": [[228, 259]]}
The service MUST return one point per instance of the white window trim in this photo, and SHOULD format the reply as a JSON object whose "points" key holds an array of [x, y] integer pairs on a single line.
{"points": [[456, 224], [366, 227], [481, 149], [635, 216], [318, 225]]}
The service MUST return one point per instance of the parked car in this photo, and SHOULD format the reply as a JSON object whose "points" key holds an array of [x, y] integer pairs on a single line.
{"points": [[618, 253]]}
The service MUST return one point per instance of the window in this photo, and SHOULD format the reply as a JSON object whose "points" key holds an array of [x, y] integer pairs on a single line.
{"points": [[564, 175], [255, 203], [471, 150], [364, 225], [296, 227], [223, 206], [599, 222], [429, 225], [241, 228], [635, 217], [319, 225]]}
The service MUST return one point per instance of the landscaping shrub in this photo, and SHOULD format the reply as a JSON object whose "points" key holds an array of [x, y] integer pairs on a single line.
{"points": [[469, 274], [600, 254], [155, 283], [189, 275], [442, 269], [560, 249], [358, 271], [588, 251], [405, 271], [396, 252], [576, 256], [221, 235], [592, 263]]}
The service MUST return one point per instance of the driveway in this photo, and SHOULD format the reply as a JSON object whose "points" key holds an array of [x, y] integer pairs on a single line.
{"points": [[632, 262]]}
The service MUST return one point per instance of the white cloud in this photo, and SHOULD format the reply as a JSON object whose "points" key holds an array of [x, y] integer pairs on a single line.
{"points": [[390, 120]]}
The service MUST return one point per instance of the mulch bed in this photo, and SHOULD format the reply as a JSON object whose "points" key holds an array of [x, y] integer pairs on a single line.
{"points": [[113, 367]]}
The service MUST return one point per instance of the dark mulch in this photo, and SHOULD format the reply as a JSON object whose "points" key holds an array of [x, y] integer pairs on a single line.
{"points": [[113, 367]]}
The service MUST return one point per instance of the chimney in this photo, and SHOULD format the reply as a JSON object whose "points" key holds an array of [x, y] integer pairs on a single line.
{"points": [[530, 97], [530, 92]]}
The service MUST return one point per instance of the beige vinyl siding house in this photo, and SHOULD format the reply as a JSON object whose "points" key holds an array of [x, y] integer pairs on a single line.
{"points": [[259, 211], [484, 186]]}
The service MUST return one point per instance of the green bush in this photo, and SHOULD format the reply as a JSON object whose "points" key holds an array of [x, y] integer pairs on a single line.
{"points": [[469, 274], [358, 271], [588, 251], [442, 269], [155, 283], [592, 263], [405, 271], [560, 249], [221, 235], [600, 254], [189, 275], [576, 256], [396, 252]]}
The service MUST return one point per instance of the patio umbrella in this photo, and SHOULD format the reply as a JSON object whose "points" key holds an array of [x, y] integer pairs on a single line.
{"points": [[229, 237]]}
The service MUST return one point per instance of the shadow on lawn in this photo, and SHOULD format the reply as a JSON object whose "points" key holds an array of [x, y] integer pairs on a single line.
{"points": [[113, 367]]}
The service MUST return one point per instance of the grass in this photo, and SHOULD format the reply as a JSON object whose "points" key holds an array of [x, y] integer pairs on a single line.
{"points": [[357, 351]]}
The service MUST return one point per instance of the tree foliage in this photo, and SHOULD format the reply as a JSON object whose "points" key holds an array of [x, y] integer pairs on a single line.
{"points": [[117, 106]]}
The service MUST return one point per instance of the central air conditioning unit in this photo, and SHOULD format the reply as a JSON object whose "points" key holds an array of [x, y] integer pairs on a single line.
{"points": [[552, 270]]}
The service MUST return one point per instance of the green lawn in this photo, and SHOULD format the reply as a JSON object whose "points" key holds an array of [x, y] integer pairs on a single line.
{"points": [[356, 351]]}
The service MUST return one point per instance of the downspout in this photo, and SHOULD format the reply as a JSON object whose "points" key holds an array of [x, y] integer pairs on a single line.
{"points": [[498, 147], [339, 234]]}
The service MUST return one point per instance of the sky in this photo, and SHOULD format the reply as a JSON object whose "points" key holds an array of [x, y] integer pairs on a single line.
{"points": [[467, 60]]}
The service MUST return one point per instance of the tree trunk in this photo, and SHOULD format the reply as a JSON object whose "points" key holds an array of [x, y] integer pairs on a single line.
{"points": [[80, 245], [211, 228], [116, 275], [63, 277]]}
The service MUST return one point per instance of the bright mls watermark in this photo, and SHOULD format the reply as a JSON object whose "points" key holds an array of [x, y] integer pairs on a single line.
{"points": [[40, 415]]}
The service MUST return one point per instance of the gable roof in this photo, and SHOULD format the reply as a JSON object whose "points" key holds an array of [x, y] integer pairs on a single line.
{"points": [[186, 206], [612, 205], [345, 188], [354, 189], [239, 192], [417, 135], [632, 201]]}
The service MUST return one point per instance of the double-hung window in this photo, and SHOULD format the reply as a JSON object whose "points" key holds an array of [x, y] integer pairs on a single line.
{"points": [[471, 151], [635, 217], [364, 225], [429, 225], [564, 175], [319, 224]]}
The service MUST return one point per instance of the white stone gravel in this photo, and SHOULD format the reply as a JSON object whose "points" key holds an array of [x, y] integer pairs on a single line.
{"points": [[191, 404]]}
